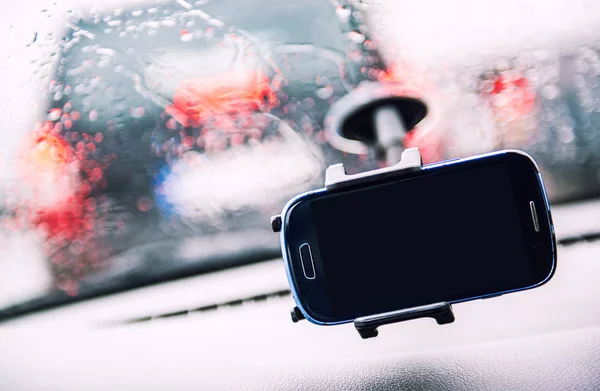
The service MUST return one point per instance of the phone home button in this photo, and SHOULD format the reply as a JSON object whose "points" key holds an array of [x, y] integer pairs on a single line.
{"points": [[306, 258]]}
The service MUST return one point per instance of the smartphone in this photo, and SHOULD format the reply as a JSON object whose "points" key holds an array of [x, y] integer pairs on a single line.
{"points": [[454, 231]]}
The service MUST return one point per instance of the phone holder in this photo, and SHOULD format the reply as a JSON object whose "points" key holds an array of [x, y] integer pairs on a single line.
{"points": [[336, 179]]}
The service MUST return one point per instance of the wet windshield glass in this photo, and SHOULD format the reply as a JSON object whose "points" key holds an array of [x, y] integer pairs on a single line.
{"points": [[143, 141]]}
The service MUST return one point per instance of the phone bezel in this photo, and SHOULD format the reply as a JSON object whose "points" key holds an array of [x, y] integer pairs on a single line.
{"points": [[312, 296]]}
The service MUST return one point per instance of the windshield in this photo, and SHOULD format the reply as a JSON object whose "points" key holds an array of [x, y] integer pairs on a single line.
{"points": [[144, 141]]}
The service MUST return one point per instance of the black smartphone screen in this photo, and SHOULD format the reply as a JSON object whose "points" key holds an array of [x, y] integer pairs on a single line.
{"points": [[436, 237]]}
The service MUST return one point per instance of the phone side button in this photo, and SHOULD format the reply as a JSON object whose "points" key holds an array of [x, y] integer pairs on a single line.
{"points": [[306, 258]]}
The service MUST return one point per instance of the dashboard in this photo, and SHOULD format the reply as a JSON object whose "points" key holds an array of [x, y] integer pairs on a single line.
{"points": [[232, 330]]}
